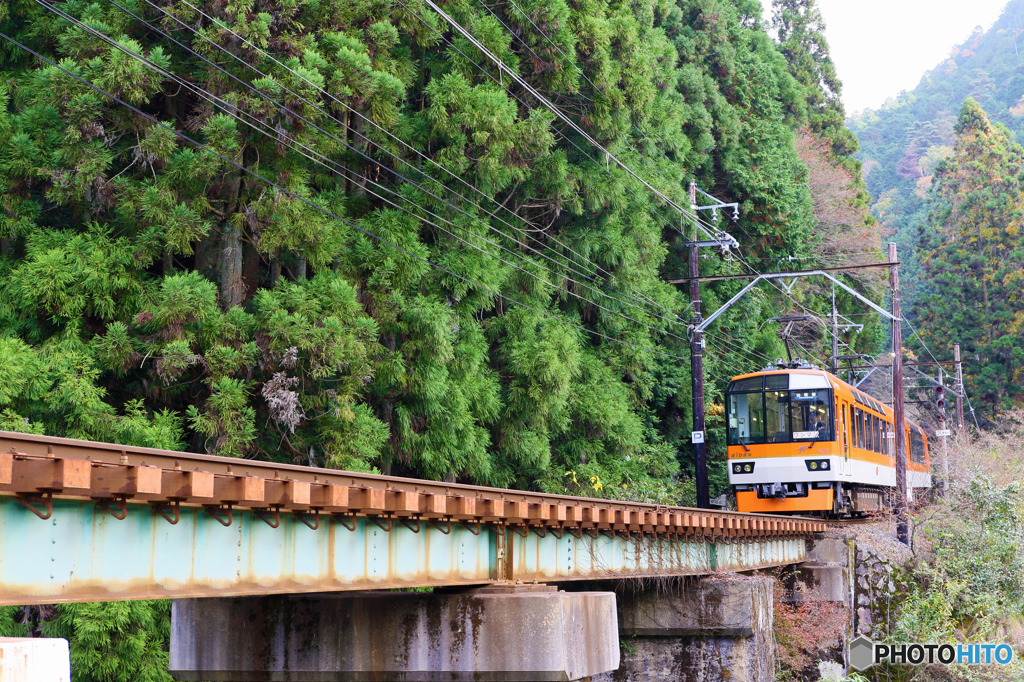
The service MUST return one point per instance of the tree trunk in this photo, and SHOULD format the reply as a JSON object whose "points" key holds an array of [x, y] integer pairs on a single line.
{"points": [[358, 184], [231, 289], [250, 270], [206, 254], [168, 261]]}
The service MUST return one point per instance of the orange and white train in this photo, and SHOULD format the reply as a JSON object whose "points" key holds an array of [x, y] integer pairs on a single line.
{"points": [[803, 440]]}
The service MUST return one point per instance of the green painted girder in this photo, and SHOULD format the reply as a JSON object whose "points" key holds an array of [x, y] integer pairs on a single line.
{"points": [[83, 553]]}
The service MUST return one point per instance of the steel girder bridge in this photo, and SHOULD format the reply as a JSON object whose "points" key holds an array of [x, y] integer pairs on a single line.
{"points": [[85, 521]]}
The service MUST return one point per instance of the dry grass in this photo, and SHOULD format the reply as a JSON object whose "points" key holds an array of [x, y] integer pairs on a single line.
{"points": [[997, 454]]}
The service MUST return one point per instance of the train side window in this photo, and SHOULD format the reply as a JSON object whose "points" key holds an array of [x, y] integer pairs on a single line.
{"points": [[853, 426], [776, 414], [860, 428], [916, 446], [843, 426], [878, 433], [746, 418], [871, 433]]}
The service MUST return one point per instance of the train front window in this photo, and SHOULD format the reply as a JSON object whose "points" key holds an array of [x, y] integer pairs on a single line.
{"points": [[778, 416], [810, 414], [746, 418], [776, 413], [749, 384]]}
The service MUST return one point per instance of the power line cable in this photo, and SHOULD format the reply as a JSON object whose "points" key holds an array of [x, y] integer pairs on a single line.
{"points": [[502, 67], [370, 121], [316, 206], [580, 71], [695, 218], [344, 143], [229, 109]]}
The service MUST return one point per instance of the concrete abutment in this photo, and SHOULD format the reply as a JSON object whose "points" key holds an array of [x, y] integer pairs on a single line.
{"points": [[715, 629]]}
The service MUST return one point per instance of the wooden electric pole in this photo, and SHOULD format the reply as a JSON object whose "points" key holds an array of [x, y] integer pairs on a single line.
{"points": [[697, 371], [942, 430], [959, 388], [902, 530]]}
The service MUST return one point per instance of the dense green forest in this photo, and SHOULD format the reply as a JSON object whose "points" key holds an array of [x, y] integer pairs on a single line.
{"points": [[903, 145], [337, 234], [385, 256]]}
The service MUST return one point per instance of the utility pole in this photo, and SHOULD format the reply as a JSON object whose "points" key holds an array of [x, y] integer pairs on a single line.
{"points": [[959, 388], [902, 530], [697, 369], [942, 430], [835, 334]]}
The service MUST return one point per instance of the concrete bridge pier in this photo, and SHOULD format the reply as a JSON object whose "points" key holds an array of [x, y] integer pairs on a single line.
{"points": [[714, 629], [494, 634]]}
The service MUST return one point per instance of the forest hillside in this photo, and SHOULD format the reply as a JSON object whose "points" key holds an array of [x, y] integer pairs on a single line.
{"points": [[956, 223]]}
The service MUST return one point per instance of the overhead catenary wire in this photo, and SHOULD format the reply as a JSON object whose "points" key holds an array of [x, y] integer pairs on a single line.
{"points": [[752, 355], [394, 172], [693, 217], [722, 362], [718, 342], [788, 295], [323, 210]]}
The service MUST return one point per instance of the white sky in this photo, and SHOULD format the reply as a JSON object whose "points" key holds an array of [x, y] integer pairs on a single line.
{"points": [[883, 46]]}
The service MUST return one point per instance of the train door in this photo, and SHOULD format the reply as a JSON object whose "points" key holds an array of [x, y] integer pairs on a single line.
{"points": [[844, 463]]}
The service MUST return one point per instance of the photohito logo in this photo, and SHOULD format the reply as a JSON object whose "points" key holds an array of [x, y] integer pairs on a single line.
{"points": [[864, 653]]}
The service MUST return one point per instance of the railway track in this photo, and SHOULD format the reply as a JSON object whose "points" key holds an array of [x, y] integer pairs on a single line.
{"points": [[37, 469]]}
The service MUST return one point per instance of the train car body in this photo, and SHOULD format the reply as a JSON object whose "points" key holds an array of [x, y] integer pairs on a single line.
{"points": [[803, 440]]}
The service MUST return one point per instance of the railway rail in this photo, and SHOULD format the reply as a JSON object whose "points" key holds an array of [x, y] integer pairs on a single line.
{"points": [[37, 469]]}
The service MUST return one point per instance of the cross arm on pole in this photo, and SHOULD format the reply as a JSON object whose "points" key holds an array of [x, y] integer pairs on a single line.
{"points": [[864, 378], [728, 304], [782, 275]]}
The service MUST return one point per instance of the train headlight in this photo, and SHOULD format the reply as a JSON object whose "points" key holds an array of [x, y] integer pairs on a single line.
{"points": [[748, 468], [737, 468], [817, 464], [814, 465], [824, 464]]}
